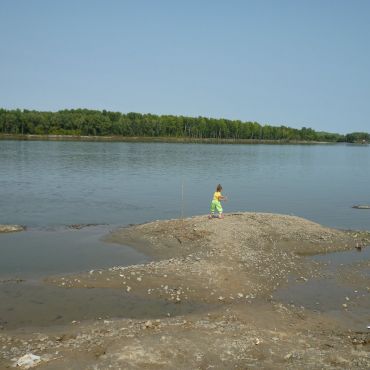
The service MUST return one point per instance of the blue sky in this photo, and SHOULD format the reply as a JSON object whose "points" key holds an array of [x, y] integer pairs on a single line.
{"points": [[298, 63]]}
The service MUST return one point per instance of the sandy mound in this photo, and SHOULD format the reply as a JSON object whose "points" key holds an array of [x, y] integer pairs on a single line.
{"points": [[229, 266]]}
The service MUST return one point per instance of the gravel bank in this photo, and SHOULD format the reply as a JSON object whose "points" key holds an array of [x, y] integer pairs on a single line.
{"points": [[231, 266]]}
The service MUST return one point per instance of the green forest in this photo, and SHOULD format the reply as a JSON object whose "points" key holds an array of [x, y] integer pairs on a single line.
{"points": [[84, 122]]}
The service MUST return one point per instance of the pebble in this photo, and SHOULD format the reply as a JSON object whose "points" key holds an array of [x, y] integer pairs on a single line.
{"points": [[288, 356], [27, 361]]}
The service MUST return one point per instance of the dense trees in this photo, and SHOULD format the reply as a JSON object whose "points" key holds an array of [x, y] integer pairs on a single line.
{"points": [[358, 137], [83, 122]]}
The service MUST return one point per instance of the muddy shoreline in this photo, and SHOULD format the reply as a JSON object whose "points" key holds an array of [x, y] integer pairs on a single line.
{"points": [[230, 268]]}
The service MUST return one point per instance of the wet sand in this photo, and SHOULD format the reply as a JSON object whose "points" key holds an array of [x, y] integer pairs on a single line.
{"points": [[227, 271]]}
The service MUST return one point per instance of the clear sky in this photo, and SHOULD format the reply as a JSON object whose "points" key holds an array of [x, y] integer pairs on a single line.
{"points": [[293, 62]]}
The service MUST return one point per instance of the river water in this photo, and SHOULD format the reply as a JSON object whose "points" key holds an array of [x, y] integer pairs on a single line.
{"points": [[47, 185]]}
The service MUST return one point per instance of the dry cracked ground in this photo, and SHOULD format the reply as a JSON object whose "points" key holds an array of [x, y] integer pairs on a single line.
{"points": [[226, 271]]}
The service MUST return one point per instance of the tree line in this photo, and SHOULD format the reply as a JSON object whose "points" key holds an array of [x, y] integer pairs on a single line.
{"points": [[85, 122]]}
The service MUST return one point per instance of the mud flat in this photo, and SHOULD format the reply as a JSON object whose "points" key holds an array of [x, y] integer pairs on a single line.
{"points": [[230, 268]]}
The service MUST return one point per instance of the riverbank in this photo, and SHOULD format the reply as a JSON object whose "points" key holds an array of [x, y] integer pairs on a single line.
{"points": [[230, 268], [154, 139]]}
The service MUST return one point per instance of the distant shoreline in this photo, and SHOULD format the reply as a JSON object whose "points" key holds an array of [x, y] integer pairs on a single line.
{"points": [[147, 139]]}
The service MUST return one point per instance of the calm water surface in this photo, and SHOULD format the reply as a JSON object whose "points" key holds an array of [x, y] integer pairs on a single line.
{"points": [[57, 183]]}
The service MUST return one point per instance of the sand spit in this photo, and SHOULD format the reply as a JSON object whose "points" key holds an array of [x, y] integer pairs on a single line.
{"points": [[231, 267]]}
